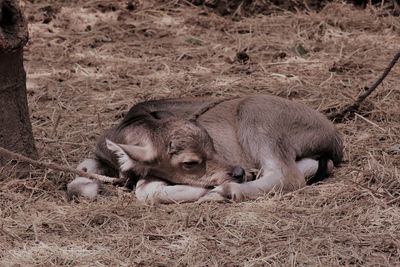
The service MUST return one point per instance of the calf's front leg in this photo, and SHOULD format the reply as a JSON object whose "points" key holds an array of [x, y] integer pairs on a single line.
{"points": [[154, 190], [82, 186]]}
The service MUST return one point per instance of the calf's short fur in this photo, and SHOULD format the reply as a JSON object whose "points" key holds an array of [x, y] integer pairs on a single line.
{"points": [[173, 159]]}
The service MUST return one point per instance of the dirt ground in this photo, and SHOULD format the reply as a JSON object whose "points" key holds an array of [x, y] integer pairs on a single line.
{"points": [[87, 62]]}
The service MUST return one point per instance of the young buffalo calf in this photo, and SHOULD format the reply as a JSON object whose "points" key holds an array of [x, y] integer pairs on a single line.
{"points": [[171, 158]]}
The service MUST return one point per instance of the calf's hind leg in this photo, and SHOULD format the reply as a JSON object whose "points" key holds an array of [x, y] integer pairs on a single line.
{"points": [[315, 171], [277, 175]]}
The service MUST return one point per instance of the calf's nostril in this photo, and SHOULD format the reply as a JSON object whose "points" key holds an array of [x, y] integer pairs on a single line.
{"points": [[238, 172]]}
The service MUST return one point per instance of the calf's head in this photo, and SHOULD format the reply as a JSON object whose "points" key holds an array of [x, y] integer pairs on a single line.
{"points": [[175, 150]]}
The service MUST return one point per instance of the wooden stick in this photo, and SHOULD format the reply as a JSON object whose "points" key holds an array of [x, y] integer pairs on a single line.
{"points": [[44, 165], [339, 115]]}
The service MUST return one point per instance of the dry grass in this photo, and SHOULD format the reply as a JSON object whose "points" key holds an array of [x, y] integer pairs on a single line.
{"points": [[86, 67]]}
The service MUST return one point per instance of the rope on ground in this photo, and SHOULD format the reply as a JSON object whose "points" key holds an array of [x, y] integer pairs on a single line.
{"points": [[350, 109], [16, 156]]}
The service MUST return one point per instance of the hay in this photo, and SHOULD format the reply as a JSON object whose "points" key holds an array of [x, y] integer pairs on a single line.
{"points": [[88, 64]]}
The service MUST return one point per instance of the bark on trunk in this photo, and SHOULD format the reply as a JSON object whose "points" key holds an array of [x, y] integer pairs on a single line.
{"points": [[15, 125]]}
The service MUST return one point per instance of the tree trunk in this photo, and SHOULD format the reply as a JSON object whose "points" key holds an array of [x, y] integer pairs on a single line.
{"points": [[15, 125]]}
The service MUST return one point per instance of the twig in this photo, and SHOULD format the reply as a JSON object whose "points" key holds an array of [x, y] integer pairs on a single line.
{"points": [[339, 115], [54, 131], [13, 155], [370, 122], [291, 62], [393, 201]]}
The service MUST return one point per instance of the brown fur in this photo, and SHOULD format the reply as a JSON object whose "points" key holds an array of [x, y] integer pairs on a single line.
{"points": [[262, 132], [173, 141]]}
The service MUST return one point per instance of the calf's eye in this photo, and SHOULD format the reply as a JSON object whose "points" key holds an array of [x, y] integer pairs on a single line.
{"points": [[190, 164]]}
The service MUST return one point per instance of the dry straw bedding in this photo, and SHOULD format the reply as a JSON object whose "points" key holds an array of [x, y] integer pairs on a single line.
{"points": [[91, 60]]}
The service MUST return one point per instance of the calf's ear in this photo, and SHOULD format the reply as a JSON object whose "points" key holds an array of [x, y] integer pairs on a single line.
{"points": [[128, 154]]}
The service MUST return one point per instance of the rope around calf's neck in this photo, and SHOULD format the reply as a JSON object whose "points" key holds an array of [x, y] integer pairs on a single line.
{"points": [[209, 106]]}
